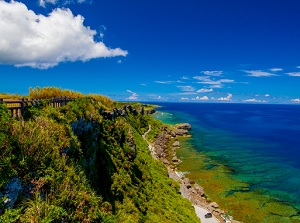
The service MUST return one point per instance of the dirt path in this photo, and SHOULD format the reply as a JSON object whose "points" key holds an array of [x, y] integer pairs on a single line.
{"points": [[151, 148]]}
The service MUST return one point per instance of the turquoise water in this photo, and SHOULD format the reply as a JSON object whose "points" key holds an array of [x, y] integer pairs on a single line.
{"points": [[260, 144]]}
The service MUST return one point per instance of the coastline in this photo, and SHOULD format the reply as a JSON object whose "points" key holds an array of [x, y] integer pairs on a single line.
{"points": [[222, 183], [164, 149]]}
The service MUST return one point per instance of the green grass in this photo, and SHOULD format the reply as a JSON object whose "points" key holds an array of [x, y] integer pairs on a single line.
{"points": [[79, 167]]}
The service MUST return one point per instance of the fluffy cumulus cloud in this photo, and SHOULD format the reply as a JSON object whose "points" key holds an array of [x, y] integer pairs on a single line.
{"points": [[133, 96], [39, 41], [205, 90], [44, 2], [228, 98], [204, 98], [259, 73], [296, 100]]}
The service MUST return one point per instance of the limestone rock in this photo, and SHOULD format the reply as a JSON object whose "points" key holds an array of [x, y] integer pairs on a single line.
{"points": [[187, 183], [214, 205], [185, 126], [199, 189], [165, 161], [181, 132], [176, 144], [175, 159]]}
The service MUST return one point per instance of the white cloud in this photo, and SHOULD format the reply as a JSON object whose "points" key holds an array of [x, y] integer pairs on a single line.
{"points": [[226, 81], [297, 100], [267, 95], [144, 85], [215, 73], [186, 88], [184, 99], [254, 100], [258, 73], [228, 98], [42, 41], [133, 96], [207, 80], [202, 78], [184, 78], [216, 86], [157, 97], [204, 98], [298, 67], [294, 74], [164, 82], [119, 61], [276, 69], [43, 3], [205, 90]]}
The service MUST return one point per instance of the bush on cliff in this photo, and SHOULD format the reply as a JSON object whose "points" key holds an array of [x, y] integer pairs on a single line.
{"points": [[76, 166]]}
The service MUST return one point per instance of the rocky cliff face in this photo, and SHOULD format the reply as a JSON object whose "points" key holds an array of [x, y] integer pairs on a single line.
{"points": [[125, 110]]}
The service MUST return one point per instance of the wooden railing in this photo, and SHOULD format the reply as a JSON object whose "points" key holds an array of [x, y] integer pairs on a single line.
{"points": [[17, 107]]}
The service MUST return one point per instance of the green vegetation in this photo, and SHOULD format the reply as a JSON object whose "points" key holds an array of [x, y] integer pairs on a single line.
{"points": [[76, 166]]}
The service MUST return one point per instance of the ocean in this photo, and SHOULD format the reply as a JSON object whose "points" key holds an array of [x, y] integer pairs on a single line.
{"points": [[247, 156]]}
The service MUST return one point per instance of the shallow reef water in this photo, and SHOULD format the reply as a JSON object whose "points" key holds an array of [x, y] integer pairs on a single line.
{"points": [[247, 157]]}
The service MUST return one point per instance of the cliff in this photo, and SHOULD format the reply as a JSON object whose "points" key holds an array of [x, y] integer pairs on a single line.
{"points": [[85, 163]]}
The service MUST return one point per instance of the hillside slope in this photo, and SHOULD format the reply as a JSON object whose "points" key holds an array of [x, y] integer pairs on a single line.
{"points": [[72, 164]]}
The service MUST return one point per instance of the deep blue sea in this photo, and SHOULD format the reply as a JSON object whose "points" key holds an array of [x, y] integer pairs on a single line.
{"points": [[259, 142]]}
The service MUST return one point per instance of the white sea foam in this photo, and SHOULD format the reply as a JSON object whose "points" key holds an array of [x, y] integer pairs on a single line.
{"points": [[182, 174]]}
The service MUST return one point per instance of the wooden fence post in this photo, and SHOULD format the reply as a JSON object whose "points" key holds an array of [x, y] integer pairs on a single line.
{"points": [[22, 107]]}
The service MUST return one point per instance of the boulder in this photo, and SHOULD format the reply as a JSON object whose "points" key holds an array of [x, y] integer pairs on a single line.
{"points": [[193, 190], [214, 205], [186, 182], [199, 189], [175, 159], [176, 144], [185, 126], [219, 211], [165, 161], [181, 132], [173, 134]]}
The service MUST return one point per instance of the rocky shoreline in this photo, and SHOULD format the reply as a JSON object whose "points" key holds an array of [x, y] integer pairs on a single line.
{"points": [[165, 146]]}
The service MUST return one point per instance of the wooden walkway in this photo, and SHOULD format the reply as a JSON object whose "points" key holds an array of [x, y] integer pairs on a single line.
{"points": [[17, 107]]}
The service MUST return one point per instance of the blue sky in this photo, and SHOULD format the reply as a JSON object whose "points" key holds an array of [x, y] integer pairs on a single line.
{"points": [[193, 50]]}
